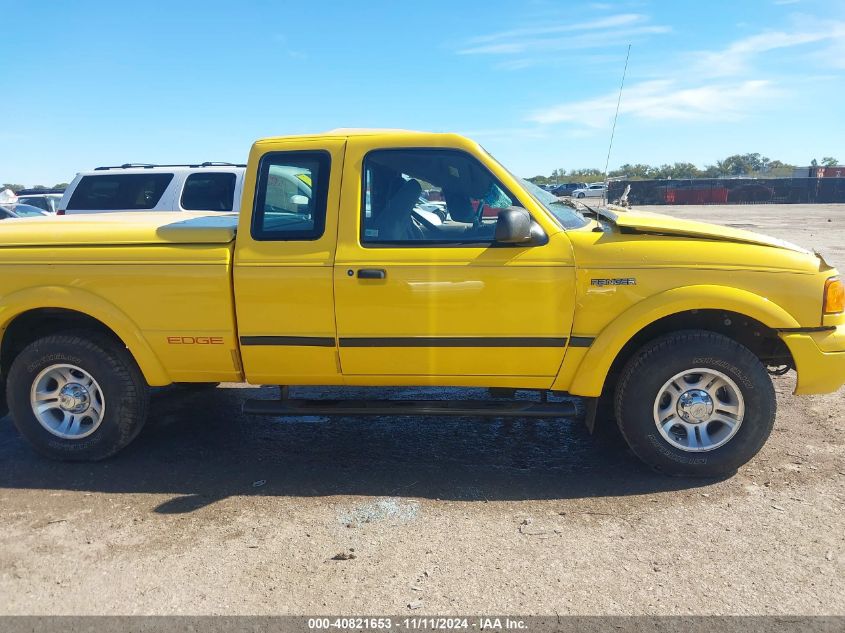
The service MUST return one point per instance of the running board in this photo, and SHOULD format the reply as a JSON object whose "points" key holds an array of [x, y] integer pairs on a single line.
{"points": [[466, 408]]}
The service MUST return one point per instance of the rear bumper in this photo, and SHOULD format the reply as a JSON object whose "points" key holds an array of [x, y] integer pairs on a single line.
{"points": [[819, 359]]}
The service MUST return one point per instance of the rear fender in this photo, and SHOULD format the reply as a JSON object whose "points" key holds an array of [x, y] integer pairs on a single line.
{"points": [[91, 305]]}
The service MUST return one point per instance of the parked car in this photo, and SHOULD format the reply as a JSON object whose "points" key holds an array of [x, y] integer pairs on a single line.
{"points": [[46, 201], [134, 187], [17, 210], [593, 190], [566, 188], [667, 325]]}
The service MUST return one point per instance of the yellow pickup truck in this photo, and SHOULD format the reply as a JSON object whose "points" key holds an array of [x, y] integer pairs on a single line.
{"points": [[341, 269]]}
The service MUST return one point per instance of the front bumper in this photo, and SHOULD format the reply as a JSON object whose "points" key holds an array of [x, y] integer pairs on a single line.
{"points": [[819, 359]]}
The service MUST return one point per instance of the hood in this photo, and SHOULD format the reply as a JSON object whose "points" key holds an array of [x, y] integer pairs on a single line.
{"points": [[634, 221]]}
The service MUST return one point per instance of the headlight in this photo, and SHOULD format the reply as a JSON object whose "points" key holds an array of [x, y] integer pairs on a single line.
{"points": [[834, 296]]}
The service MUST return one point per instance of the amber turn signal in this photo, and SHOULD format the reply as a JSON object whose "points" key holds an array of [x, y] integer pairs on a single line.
{"points": [[834, 296]]}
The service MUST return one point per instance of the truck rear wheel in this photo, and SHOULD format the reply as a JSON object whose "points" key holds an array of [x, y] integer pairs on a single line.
{"points": [[77, 397], [695, 403]]}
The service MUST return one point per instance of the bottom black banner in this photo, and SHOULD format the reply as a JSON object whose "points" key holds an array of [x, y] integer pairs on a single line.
{"points": [[406, 623]]}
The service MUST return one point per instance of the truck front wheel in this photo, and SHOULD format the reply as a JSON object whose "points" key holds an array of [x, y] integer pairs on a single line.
{"points": [[77, 397], [695, 403]]}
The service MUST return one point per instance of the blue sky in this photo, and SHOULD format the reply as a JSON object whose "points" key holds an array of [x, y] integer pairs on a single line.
{"points": [[91, 83]]}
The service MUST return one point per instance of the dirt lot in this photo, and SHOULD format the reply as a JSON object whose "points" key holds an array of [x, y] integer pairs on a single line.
{"points": [[210, 511]]}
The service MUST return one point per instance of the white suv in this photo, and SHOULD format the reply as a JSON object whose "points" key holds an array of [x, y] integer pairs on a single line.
{"points": [[134, 187]]}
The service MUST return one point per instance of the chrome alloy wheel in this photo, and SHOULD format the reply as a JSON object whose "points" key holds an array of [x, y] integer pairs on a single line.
{"points": [[67, 401], [699, 410]]}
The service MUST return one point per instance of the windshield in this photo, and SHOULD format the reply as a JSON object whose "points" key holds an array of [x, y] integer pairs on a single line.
{"points": [[25, 210], [568, 217], [565, 215]]}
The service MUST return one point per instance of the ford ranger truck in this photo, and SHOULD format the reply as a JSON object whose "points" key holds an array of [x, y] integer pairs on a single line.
{"points": [[334, 274]]}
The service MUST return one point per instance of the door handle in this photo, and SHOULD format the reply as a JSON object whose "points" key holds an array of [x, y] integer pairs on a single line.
{"points": [[371, 273]]}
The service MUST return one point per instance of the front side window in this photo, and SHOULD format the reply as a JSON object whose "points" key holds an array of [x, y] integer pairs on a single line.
{"points": [[290, 201], [119, 191], [209, 191], [429, 196]]}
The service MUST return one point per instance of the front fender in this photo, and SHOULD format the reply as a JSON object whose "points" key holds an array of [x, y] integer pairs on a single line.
{"points": [[92, 305], [589, 376]]}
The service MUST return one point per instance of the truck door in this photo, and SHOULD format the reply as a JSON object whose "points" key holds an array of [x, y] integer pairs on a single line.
{"points": [[284, 254], [423, 294]]}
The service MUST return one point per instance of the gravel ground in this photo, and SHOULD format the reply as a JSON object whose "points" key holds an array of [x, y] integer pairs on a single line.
{"points": [[213, 512]]}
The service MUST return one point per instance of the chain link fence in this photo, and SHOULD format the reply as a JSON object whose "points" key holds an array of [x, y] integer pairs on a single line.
{"points": [[731, 191]]}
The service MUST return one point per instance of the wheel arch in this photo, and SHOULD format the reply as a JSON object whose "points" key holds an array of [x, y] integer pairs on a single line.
{"points": [[691, 307], [35, 312]]}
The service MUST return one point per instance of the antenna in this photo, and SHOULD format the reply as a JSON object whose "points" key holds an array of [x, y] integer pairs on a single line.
{"points": [[615, 116]]}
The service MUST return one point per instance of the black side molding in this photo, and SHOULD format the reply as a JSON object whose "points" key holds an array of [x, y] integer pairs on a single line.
{"points": [[305, 341], [420, 341], [453, 341]]}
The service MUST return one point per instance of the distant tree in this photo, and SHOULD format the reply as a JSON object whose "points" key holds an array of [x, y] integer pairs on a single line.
{"points": [[683, 170], [749, 164], [537, 180], [814, 163], [39, 187], [829, 161], [61, 185], [587, 174], [13, 186], [742, 164], [633, 172]]}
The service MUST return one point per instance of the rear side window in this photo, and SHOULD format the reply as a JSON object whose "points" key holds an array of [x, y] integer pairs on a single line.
{"points": [[290, 201], [209, 192], [119, 191]]}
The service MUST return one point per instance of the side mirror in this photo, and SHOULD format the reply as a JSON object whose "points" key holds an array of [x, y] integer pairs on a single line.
{"points": [[513, 226]]}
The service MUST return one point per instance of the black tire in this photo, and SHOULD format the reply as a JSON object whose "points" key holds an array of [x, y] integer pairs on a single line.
{"points": [[4, 409], [124, 390], [648, 371], [581, 195]]}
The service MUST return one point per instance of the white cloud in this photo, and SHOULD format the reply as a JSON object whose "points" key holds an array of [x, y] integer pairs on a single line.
{"points": [[588, 34], [736, 57], [662, 100]]}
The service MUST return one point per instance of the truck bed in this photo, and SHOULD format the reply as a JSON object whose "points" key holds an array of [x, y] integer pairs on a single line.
{"points": [[165, 279]]}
